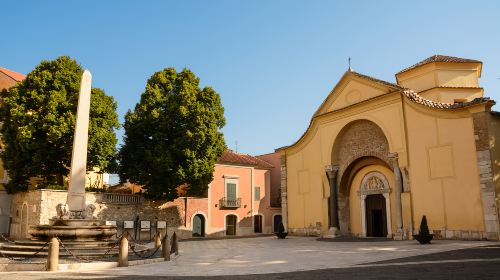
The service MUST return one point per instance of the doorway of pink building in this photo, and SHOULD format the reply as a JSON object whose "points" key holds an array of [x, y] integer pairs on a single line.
{"points": [[257, 224], [231, 224], [198, 226]]}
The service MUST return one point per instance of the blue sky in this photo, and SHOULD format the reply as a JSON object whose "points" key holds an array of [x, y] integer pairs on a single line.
{"points": [[272, 62]]}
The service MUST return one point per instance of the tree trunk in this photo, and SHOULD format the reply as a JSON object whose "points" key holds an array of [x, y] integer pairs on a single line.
{"points": [[60, 179]]}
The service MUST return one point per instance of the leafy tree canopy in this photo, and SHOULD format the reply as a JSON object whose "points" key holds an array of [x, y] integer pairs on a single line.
{"points": [[39, 115], [173, 135]]}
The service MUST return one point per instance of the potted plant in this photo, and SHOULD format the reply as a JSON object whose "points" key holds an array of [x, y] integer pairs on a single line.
{"points": [[281, 234], [423, 236]]}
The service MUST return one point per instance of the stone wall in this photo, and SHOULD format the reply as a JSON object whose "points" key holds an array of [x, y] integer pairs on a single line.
{"points": [[284, 200], [39, 206], [484, 163], [360, 138]]}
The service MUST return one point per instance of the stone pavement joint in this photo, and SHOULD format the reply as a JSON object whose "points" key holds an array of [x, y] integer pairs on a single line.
{"points": [[271, 255]]}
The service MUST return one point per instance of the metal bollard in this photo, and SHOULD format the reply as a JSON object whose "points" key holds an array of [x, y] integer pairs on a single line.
{"points": [[165, 248], [123, 251], [157, 240], [175, 244], [53, 254]]}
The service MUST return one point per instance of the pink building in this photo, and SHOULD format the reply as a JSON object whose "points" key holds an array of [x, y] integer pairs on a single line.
{"points": [[239, 198], [243, 199]]}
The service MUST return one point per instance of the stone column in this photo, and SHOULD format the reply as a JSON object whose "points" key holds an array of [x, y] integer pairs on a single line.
{"points": [[363, 214], [393, 157], [331, 174], [388, 213]]}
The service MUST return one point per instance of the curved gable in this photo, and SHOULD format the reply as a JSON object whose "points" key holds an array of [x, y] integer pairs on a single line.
{"points": [[354, 88]]}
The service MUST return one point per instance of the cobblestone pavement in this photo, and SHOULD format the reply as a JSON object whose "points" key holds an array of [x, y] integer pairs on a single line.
{"points": [[306, 258]]}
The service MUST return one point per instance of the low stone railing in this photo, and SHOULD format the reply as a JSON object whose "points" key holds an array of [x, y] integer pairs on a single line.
{"points": [[117, 198]]}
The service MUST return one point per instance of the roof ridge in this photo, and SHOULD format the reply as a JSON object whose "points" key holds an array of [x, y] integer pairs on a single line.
{"points": [[234, 157], [377, 80], [417, 98], [16, 76], [439, 58]]}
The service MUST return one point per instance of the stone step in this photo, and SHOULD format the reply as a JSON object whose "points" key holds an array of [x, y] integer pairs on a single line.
{"points": [[30, 248], [26, 248], [67, 243], [62, 253]]}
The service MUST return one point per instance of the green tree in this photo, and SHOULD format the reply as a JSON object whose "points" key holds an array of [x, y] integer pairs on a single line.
{"points": [[173, 135], [39, 115]]}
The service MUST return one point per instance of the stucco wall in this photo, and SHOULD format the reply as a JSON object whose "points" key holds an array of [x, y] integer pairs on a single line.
{"points": [[444, 174], [307, 185], [437, 158], [247, 179], [275, 193]]}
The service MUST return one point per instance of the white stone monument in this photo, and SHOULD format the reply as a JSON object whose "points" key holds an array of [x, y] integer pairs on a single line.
{"points": [[76, 190], [75, 220]]}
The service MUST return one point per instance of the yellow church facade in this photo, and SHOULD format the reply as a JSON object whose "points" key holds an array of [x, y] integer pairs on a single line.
{"points": [[378, 156]]}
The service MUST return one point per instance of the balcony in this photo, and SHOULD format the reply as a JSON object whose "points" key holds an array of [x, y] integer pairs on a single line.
{"points": [[229, 203], [116, 198]]}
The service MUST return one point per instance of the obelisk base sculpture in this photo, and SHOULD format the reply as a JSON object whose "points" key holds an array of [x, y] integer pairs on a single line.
{"points": [[75, 219]]}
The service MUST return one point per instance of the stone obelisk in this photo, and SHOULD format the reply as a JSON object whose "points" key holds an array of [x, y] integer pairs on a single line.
{"points": [[76, 190]]}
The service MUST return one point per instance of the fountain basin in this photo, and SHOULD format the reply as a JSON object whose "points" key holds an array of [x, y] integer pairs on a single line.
{"points": [[74, 229]]}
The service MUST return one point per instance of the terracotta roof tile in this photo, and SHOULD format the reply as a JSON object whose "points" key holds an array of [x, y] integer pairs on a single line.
{"points": [[13, 74], [439, 58], [230, 156], [392, 85], [410, 94], [417, 98]]}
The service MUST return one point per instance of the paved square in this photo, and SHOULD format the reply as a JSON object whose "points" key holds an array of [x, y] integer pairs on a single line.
{"points": [[270, 255]]}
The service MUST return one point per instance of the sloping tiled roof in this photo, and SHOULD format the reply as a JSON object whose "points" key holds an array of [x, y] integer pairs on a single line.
{"points": [[13, 74], [389, 84], [411, 95], [439, 58], [230, 156], [417, 98]]}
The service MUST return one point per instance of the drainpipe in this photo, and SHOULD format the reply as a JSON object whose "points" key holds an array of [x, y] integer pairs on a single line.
{"points": [[251, 196], [185, 210]]}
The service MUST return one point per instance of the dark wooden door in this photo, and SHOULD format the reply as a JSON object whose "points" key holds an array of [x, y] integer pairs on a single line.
{"points": [[198, 226], [231, 225], [257, 224], [376, 221], [276, 222]]}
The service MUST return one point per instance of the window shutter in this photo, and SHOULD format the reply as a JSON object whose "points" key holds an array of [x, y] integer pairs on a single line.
{"points": [[257, 194], [231, 191]]}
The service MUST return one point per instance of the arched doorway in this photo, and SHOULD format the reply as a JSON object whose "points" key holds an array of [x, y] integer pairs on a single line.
{"points": [[198, 226], [376, 217], [276, 222], [359, 145], [375, 205], [231, 224]]}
